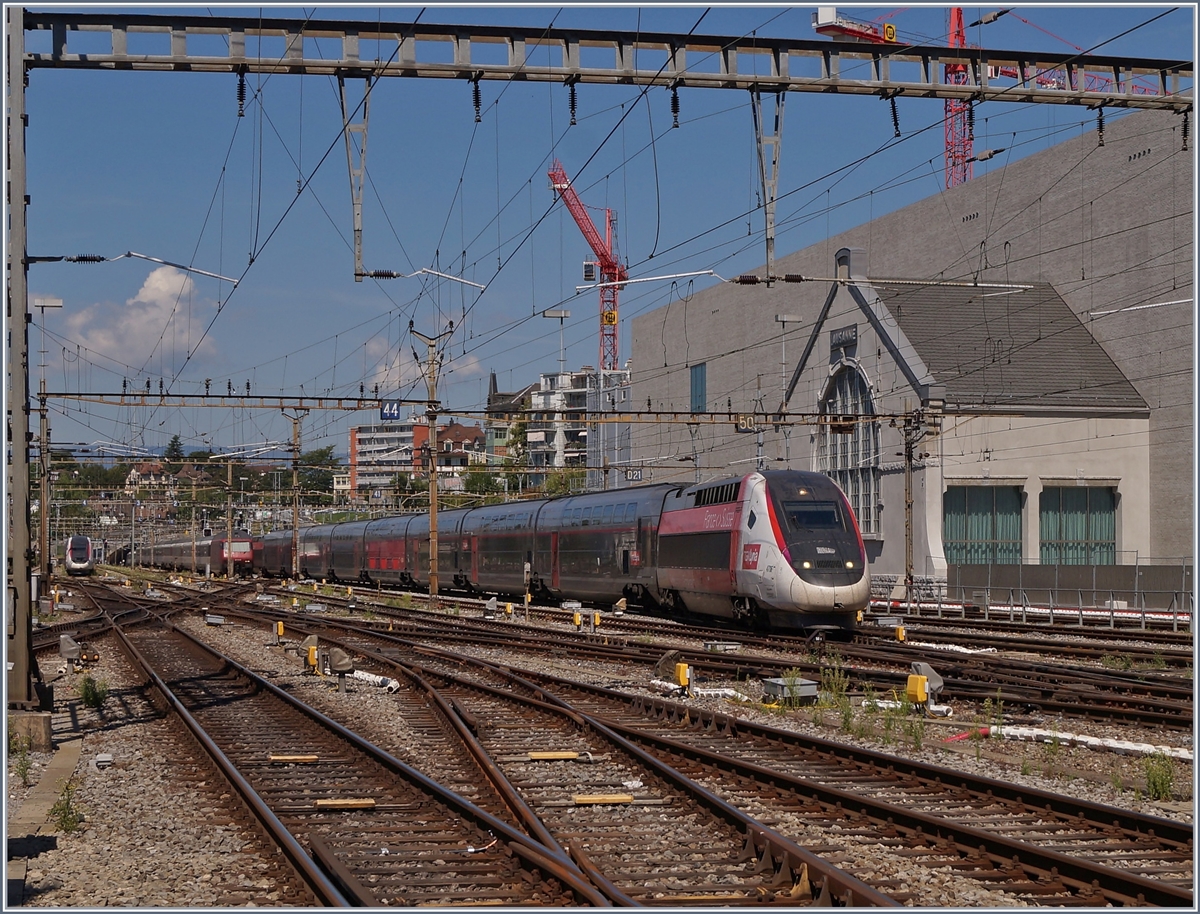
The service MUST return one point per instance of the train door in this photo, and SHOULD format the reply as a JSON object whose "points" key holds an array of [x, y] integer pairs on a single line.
{"points": [[554, 560], [473, 545]]}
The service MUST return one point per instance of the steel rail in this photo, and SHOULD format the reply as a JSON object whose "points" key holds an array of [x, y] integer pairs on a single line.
{"points": [[1091, 881], [1094, 882], [846, 889], [321, 885], [553, 861]]}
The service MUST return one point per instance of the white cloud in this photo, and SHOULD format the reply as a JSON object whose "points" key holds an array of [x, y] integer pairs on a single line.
{"points": [[391, 371], [163, 314]]}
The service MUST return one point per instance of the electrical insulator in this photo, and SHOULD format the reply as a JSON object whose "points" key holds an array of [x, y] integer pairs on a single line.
{"points": [[895, 116], [971, 120], [675, 106], [1185, 131], [382, 274], [87, 258], [1100, 126], [794, 277], [475, 94], [241, 94], [747, 279], [571, 102]]}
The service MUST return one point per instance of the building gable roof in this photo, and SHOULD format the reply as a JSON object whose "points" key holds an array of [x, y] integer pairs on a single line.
{"points": [[1008, 348]]}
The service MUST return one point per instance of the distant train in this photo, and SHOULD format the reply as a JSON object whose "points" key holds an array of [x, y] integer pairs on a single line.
{"points": [[209, 553], [777, 549], [79, 557]]}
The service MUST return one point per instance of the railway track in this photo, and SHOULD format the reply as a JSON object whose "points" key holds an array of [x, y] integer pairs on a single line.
{"points": [[1041, 847], [330, 796], [1148, 697], [1103, 695], [1086, 645], [635, 823]]}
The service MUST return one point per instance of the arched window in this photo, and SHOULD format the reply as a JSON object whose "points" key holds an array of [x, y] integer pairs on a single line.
{"points": [[849, 452]]}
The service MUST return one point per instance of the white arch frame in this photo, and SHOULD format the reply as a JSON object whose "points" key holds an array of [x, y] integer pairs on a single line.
{"points": [[852, 460]]}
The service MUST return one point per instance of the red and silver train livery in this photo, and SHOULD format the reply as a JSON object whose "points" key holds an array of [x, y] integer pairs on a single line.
{"points": [[79, 557], [776, 549]]}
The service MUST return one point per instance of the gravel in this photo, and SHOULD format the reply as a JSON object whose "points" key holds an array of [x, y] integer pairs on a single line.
{"points": [[158, 828]]}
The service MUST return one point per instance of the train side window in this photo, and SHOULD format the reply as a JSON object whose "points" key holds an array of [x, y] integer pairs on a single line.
{"points": [[577, 518], [587, 516], [631, 511], [608, 515], [618, 514]]}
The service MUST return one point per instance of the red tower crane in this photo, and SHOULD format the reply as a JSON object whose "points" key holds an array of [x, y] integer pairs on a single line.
{"points": [[960, 132], [612, 272]]}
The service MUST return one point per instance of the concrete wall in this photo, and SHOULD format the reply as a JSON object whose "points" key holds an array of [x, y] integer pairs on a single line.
{"points": [[1111, 227]]}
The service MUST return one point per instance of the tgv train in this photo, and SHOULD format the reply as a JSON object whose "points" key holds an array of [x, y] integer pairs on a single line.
{"points": [[778, 549], [78, 558]]}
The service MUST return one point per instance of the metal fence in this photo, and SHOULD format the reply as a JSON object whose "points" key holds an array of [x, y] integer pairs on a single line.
{"points": [[1152, 586]]}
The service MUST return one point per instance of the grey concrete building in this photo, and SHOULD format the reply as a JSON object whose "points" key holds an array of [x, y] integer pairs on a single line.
{"points": [[1043, 309]]}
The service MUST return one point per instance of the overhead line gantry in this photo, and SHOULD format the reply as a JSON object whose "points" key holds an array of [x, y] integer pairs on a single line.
{"points": [[219, 44]]}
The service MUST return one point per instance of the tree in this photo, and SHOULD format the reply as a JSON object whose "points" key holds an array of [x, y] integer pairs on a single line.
{"points": [[481, 482], [173, 455], [316, 471], [562, 482]]}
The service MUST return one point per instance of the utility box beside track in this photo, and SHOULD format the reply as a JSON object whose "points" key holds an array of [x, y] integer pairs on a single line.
{"points": [[795, 691]]}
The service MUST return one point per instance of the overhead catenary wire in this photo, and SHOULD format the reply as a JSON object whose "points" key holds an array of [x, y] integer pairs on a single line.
{"points": [[498, 254]]}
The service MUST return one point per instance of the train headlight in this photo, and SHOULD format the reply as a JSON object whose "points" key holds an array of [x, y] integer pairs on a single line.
{"points": [[806, 564], [849, 564]]}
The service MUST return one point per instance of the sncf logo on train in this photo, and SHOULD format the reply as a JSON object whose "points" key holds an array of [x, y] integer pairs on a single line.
{"points": [[750, 557]]}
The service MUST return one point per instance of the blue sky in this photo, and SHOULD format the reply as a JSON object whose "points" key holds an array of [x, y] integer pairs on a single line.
{"points": [[161, 164]]}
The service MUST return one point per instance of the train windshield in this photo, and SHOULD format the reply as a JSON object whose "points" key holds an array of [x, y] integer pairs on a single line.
{"points": [[240, 548], [79, 548], [814, 515]]}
